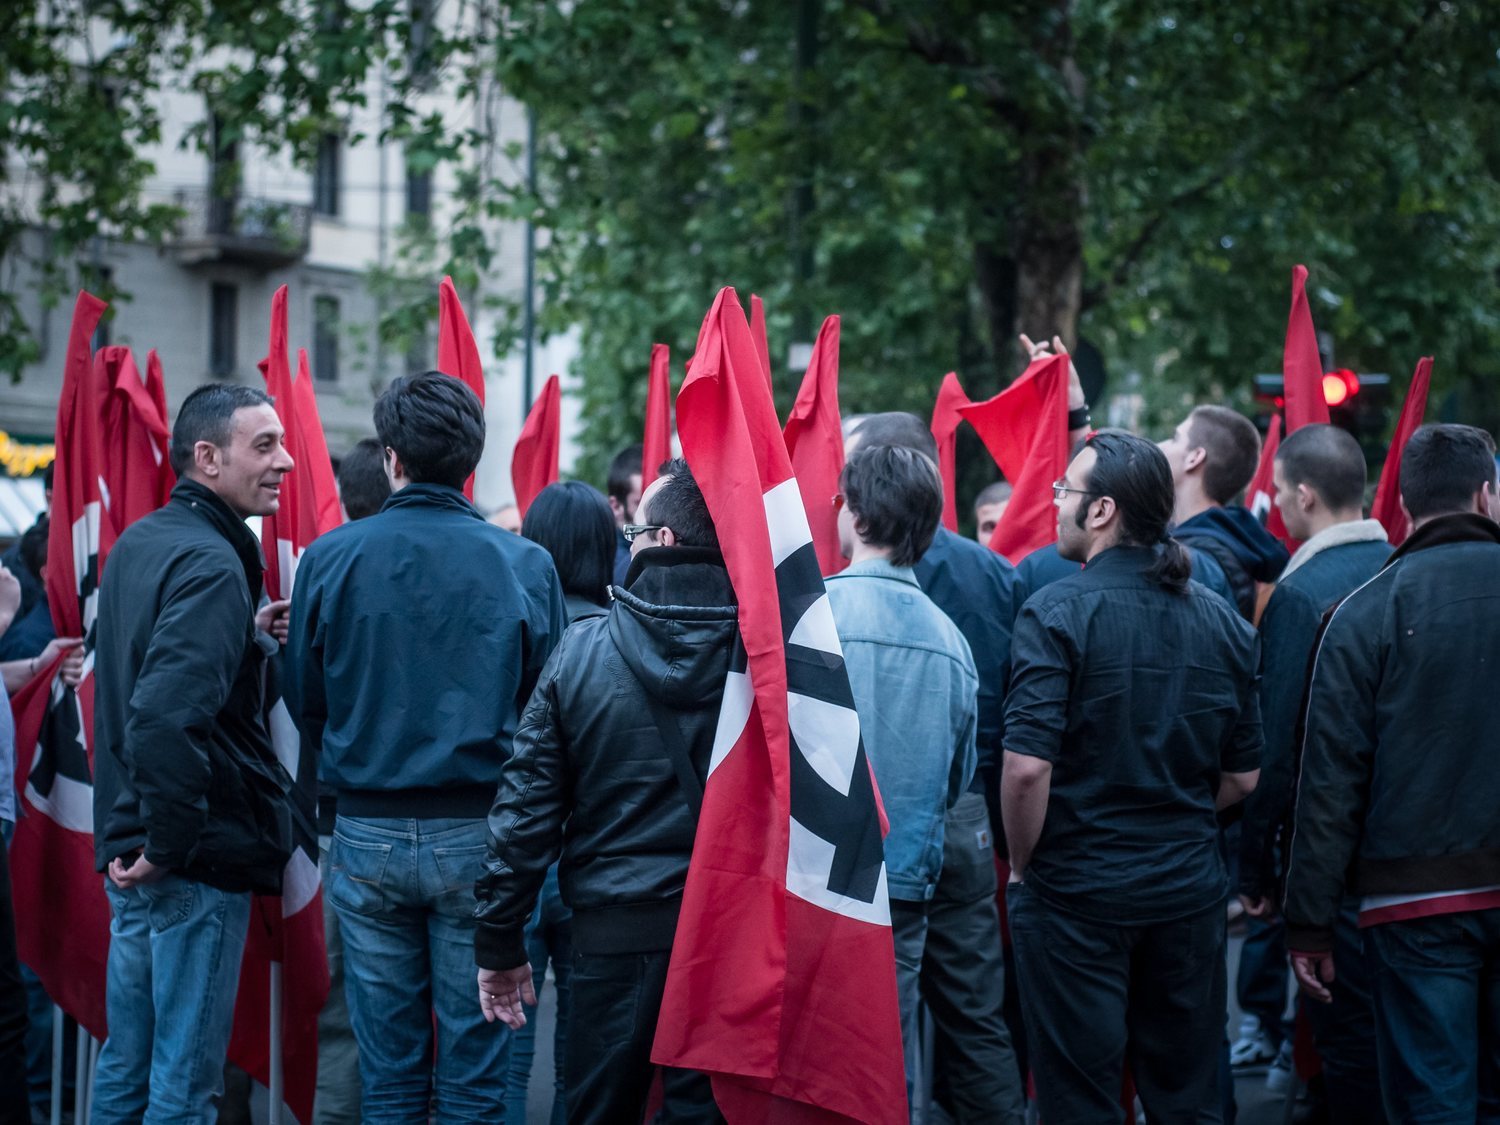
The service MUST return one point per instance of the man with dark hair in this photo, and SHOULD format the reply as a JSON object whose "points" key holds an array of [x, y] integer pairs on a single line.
{"points": [[32, 589], [608, 771], [1213, 455], [1399, 789], [191, 813], [623, 489], [363, 485], [989, 506], [416, 637], [29, 635], [976, 1018], [1131, 720], [915, 689], [1319, 474]]}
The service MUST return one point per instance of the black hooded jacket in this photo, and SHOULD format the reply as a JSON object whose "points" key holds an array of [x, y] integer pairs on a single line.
{"points": [[590, 777], [1244, 550]]}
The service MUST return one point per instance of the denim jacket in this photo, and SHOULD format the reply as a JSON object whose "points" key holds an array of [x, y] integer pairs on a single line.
{"points": [[916, 692]]}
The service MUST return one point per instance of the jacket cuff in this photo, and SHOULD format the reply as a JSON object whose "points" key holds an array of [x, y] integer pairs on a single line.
{"points": [[1309, 939], [499, 947]]}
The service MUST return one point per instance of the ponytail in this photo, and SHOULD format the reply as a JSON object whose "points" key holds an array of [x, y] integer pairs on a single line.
{"points": [[1172, 566]]}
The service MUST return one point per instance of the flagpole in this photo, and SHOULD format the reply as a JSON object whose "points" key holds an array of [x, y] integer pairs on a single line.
{"points": [[88, 1102], [81, 1074], [58, 1015], [274, 1117]]}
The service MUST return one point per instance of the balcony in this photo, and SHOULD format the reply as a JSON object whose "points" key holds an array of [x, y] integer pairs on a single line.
{"points": [[259, 233]]}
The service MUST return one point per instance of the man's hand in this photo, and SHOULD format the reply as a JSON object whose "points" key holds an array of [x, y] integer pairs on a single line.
{"points": [[140, 872], [72, 667], [1314, 973], [10, 598], [502, 992], [1258, 907], [1042, 351], [273, 618]]}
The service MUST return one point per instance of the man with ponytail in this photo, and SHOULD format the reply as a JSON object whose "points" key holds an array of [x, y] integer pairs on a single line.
{"points": [[1132, 719]]}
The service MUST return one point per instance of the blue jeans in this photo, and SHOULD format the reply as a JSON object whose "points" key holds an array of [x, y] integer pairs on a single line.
{"points": [[1436, 983], [549, 937], [403, 890], [174, 967]]}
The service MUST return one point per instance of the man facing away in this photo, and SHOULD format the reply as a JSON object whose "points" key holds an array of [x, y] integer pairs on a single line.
{"points": [[1131, 720], [416, 636], [191, 813], [1399, 790], [608, 771], [1319, 474]]}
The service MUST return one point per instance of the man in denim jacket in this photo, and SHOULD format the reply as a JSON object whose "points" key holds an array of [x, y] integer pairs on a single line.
{"points": [[914, 685]]}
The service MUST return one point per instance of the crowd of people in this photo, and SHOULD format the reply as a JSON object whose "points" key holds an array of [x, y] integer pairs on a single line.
{"points": [[1092, 763]]}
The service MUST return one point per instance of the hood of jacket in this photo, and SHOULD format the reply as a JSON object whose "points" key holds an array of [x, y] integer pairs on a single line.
{"points": [[675, 624], [1256, 549]]}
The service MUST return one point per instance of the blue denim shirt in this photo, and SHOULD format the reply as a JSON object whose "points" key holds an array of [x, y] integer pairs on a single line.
{"points": [[916, 692]]}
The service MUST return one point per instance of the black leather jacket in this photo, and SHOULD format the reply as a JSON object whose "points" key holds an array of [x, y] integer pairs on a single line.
{"points": [[590, 777]]}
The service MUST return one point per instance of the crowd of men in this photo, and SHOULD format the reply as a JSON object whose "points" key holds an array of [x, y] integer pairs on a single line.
{"points": [[1161, 722]]}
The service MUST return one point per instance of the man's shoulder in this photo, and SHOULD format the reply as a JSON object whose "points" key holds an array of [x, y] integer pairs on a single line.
{"points": [[950, 549]]}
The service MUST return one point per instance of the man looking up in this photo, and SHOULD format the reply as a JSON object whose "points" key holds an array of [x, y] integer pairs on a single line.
{"points": [[1116, 763], [1400, 786], [1319, 474], [608, 771], [416, 636], [191, 813]]}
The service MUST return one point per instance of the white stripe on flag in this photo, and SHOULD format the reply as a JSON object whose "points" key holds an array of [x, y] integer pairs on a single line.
{"points": [[828, 736], [817, 630], [786, 520], [299, 885], [734, 712], [809, 859]]}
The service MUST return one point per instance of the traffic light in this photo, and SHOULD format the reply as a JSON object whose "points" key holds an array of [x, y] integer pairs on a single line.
{"points": [[1357, 402]]}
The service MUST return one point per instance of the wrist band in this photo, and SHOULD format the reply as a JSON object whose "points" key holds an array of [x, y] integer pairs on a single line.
{"points": [[1078, 418]]}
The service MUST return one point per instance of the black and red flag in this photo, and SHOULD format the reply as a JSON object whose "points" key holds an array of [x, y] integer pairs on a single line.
{"points": [[1260, 496], [814, 439], [782, 985]]}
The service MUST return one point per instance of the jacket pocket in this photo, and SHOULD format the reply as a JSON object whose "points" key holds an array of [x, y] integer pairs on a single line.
{"points": [[357, 875]]}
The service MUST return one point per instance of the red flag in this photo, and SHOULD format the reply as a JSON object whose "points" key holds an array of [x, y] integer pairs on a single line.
{"points": [[945, 419], [136, 435], [1301, 365], [458, 354], [62, 916], [758, 331], [1260, 497], [1387, 507], [1025, 428], [311, 451], [814, 437], [533, 465], [657, 447], [782, 984]]}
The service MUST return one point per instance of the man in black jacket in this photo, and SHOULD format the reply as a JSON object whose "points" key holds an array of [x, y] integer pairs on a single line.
{"points": [[1400, 786], [190, 803], [608, 770]]}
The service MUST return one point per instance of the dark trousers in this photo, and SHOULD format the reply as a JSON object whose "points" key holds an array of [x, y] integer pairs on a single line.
{"points": [[14, 1105], [1344, 1030], [1436, 983], [963, 978], [615, 1001], [1260, 985], [1097, 995]]}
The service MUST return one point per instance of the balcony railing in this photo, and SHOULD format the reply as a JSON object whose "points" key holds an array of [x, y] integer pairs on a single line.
{"points": [[267, 233]]}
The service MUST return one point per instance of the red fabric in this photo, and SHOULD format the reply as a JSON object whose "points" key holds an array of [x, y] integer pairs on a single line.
{"points": [[814, 439], [789, 1006], [1301, 365], [534, 464], [657, 446], [311, 452], [1387, 507], [758, 332], [945, 422], [1260, 497], [458, 354], [136, 435], [1025, 428]]}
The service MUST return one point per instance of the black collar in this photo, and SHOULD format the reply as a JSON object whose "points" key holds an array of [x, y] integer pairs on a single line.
{"points": [[1461, 527], [207, 503]]}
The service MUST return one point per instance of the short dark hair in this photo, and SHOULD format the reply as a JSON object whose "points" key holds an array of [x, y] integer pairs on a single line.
{"points": [[1233, 446], [208, 415], [435, 424], [1134, 473], [897, 427], [1443, 466], [622, 467], [47, 474], [997, 493], [34, 546], [1328, 460], [363, 485], [573, 521], [896, 497], [678, 503]]}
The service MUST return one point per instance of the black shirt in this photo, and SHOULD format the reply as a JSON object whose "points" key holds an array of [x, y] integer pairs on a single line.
{"points": [[1139, 698]]}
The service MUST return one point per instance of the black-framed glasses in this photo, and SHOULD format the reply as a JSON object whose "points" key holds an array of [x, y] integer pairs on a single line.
{"points": [[631, 530], [1060, 489]]}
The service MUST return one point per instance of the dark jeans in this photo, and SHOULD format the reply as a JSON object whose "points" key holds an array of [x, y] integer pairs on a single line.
{"points": [[1098, 995], [1260, 985], [549, 939], [1436, 983], [1344, 1030], [615, 1001], [963, 978], [14, 1105]]}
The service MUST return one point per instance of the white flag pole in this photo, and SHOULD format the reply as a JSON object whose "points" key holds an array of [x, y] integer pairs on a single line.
{"points": [[277, 1080], [58, 1016], [81, 1075]]}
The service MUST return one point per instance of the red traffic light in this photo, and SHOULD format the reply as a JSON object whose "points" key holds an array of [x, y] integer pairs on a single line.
{"points": [[1339, 386]]}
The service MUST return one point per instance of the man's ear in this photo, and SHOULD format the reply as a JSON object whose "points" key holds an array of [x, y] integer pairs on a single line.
{"points": [[1194, 459], [666, 537], [1306, 498], [207, 458], [1101, 515]]}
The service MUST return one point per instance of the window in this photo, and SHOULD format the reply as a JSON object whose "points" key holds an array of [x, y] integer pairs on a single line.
{"points": [[418, 193], [222, 326], [326, 339], [326, 176], [419, 41]]}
